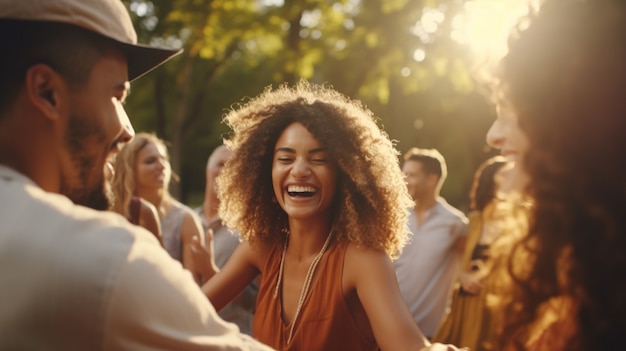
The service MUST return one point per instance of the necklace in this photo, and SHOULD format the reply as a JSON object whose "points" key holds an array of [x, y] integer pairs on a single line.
{"points": [[307, 280]]}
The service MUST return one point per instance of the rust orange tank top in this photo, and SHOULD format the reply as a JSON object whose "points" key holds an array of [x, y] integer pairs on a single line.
{"points": [[325, 322]]}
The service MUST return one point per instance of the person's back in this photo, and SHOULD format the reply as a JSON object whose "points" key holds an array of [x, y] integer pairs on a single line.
{"points": [[427, 268], [77, 279]]}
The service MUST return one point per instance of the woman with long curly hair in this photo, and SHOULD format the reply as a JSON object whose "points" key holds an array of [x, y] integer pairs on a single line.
{"points": [[315, 189], [142, 170], [561, 92]]}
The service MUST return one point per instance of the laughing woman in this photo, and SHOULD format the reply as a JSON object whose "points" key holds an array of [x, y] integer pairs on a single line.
{"points": [[315, 189]]}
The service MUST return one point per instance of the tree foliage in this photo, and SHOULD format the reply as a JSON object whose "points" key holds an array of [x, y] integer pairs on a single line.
{"points": [[397, 56]]}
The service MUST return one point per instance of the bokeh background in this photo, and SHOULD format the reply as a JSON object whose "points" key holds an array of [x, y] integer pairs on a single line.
{"points": [[414, 63]]}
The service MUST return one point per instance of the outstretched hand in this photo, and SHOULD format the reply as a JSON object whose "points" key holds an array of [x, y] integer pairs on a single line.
{"points": [[203, 257], [470, 282]]}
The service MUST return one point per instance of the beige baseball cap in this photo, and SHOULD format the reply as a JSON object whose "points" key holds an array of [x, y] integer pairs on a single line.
{"points": [[108, 18]]}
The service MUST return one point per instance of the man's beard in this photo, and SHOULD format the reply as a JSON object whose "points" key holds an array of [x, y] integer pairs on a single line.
{"points": [[83, 189], [97, 198], [96, 195]]}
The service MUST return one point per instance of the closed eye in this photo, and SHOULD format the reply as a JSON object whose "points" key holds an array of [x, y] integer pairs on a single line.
{"points": [[319, 160], [284, 159]]}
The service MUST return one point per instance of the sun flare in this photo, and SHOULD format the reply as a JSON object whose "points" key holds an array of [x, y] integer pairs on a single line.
{"points": [[485, 24]]}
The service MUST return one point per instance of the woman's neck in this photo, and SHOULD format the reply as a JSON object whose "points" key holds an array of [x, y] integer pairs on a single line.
{"points": [[306, 239]]}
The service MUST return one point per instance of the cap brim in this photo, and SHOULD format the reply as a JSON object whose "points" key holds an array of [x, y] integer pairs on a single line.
{"points": [[143, 59]]}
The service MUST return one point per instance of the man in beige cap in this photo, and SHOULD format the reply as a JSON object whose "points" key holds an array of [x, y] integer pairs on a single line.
{"points": [[72, 278]]}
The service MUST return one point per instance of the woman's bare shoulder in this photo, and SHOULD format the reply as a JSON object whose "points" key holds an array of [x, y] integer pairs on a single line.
{"points": [[361, 262], [258, 251]]}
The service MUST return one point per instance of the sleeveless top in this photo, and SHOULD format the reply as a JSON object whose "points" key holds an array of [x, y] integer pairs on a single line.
{"points": [[171, 226], [325, 322]]}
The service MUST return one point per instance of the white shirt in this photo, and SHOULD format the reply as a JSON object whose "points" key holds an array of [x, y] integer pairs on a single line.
{"points": [[429, 263], [76, 279]]}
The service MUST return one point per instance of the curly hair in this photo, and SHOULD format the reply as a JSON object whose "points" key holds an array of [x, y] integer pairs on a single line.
{"points": [[124, 182], [372, 200], [565, 77]]}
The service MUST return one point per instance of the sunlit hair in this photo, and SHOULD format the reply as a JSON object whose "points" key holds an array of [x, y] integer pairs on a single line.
{"points": [[484, 188], [565, 77], [371, 201], [124, 183]]}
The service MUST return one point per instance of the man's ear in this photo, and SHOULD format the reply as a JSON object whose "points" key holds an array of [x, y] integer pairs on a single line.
{"points": [[45, 88]]}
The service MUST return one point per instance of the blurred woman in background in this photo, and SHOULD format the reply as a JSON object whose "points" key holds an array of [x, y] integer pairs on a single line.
{"points": [[142, 169], [469, 324]]}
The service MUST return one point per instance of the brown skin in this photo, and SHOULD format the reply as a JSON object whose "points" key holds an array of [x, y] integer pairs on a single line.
{"points": [[369, 282], [34, 131]]}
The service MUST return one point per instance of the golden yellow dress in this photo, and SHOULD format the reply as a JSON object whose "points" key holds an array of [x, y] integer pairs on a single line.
{"points": [[469, 322]]}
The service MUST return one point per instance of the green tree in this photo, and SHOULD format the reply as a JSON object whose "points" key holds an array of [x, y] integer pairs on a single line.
{"points": [[397, 56]]}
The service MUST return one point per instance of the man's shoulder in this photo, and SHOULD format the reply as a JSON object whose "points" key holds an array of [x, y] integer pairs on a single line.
{"points": [[54, 250], [30, 213], [447, 210]]}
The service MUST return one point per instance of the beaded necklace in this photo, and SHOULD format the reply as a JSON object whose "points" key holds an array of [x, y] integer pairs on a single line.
{"points": [[307, 281]]}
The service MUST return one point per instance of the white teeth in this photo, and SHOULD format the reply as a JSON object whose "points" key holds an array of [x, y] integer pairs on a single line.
{"points": [[300, 189]]}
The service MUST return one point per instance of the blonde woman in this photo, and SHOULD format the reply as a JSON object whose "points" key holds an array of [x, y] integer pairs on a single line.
{"points": [[142, 169]]}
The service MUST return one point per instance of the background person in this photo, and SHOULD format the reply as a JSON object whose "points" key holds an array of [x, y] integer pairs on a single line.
{"points": [[142, 169], [241, 310], [430, 262], [469, 322], [140, 212], [560, 98]]}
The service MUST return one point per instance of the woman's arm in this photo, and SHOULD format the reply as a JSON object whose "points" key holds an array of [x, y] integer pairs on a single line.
{"points": [[240, 270], [372, 274], [470, 282]]}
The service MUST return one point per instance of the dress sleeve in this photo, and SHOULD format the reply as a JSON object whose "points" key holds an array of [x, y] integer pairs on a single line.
{"points": [[155, 304]]}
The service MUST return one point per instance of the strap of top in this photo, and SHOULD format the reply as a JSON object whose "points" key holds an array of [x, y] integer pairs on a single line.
{"points": [[135, 203]]}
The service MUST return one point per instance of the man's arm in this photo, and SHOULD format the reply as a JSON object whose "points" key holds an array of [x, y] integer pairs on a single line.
{"points": [[155, 303]]}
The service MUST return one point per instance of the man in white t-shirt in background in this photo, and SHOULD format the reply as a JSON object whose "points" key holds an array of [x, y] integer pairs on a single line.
{"points": [[430, 262]]}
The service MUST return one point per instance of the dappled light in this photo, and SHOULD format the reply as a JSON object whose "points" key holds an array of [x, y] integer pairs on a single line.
{"points": [[411, 61], [428, 23], [277, 3]]}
